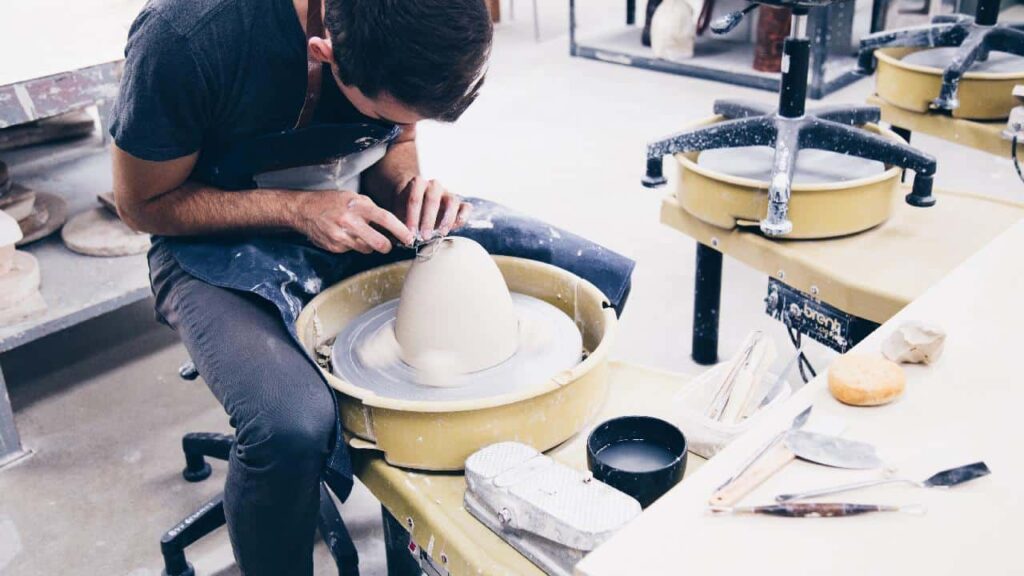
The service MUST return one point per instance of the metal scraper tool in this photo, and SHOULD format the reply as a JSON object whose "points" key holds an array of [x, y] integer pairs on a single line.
{"points": [[944, 479], [832, 450]]}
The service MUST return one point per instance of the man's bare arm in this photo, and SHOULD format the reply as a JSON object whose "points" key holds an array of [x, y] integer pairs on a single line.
{"points": [[385, 180], [395, 182], [158, 198]]}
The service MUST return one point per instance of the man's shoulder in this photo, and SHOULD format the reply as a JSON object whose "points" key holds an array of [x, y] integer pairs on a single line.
{"points": [[189, 18]]}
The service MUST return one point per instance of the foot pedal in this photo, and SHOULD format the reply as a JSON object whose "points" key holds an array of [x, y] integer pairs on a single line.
{"points": [[551, 513]]}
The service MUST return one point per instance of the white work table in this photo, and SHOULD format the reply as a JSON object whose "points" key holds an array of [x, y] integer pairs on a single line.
{"points": [[964, 408]]}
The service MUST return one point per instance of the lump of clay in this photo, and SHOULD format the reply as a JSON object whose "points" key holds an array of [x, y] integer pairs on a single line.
{"points": [[10, 233], [915, 343], [455, 308], [865, 380]]}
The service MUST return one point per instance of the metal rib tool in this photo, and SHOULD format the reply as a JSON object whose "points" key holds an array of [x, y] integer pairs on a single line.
{"points": [[944, 479]]}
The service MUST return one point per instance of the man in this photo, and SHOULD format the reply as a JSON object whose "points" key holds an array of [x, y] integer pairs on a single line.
{"points": [[272, 153]]}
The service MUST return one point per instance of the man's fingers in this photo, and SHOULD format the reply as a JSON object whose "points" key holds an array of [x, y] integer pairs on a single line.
{"points": [[414, 192], [392, 224], [367, 235], [450, 206], [465, 209], [431, 206], [357, 244]]}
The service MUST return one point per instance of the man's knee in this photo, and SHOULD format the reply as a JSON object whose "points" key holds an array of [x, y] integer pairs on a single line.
{"points": [[294, 436]]}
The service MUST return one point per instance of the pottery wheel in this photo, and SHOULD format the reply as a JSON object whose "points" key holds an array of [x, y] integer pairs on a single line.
{"points": [[812, 166], [939, 58], [529, 367]]}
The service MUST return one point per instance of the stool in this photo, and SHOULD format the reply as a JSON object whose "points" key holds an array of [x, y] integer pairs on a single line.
{"points": [[210, 516]]}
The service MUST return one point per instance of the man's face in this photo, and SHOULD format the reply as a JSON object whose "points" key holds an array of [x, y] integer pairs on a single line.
{"points": [[382, 107]]}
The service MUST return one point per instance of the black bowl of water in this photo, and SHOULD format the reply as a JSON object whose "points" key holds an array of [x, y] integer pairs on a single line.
{"points": [[639, 455]]}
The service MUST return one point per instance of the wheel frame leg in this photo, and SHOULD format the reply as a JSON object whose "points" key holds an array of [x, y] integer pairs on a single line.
{"points": [[10, 441], [707, 300]]}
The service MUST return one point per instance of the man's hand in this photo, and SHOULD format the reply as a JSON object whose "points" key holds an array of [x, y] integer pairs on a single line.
{"points": [[426, 205], [339, 221]]}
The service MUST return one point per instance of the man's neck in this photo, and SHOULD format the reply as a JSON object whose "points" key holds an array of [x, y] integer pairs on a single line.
{"points": [[302, 10]]}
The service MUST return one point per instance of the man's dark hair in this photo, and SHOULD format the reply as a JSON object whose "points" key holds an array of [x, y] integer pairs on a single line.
{"points": [[428, 54]]}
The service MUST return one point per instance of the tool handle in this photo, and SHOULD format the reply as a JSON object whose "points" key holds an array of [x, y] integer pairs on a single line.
{"points": [[836, 489], [771, 462], [816, 509]]}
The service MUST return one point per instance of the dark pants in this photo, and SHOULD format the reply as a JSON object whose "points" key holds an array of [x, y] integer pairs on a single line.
{"points": [[282, 412]]}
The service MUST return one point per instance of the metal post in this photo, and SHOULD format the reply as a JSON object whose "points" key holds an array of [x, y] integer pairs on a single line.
{"points": [[795, 61], [572, 27], [707, 297], [10, 442], [987, 13], [879, 11]]}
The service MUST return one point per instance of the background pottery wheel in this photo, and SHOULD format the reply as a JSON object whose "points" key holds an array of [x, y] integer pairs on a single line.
{"points": [[833, 195], [528, 366], [911, 79], [48, 214], [939, 58], [97, 232], [812, 166]]}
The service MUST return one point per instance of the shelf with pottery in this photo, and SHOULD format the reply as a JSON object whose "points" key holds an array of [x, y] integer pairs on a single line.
{"points": [[73, 286], [725, 60]]}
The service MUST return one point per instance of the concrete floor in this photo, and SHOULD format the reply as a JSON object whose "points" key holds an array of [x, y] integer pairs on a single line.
{"points": [[102, 407]]}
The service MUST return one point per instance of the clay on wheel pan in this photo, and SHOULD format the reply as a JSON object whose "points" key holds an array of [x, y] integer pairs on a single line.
{"points": [[812, 166], [97, 232], [531, 365], [939, 58]]}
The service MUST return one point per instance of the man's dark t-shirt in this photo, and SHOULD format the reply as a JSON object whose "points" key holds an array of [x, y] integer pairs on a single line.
{"points": [[204, 74]]}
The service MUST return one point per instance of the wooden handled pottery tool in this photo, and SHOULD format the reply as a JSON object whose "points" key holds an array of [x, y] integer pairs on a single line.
{"points": [[944, 479], [788, 445], [769, 459], [817, 510]]}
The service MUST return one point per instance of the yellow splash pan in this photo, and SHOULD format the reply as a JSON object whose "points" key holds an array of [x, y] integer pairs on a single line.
{"points": [[983, 95], [824, 210], [428, 435]]}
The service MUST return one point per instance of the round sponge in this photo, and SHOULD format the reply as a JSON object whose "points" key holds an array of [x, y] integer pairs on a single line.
{"points": [[863, 380]]}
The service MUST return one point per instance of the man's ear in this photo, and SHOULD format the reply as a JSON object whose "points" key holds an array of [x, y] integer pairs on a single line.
{"points": [[321, 49]]}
